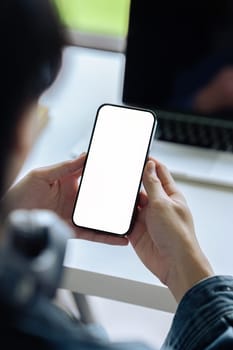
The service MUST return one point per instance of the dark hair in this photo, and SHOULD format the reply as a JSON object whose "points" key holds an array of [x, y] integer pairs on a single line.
{"points": [[31, 39]]}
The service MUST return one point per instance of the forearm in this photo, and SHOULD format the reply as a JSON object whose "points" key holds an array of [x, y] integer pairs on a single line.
{"points": [[204, 316]]}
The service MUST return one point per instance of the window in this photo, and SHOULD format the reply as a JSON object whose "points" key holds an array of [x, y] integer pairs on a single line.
{"points": [[96, 23]]}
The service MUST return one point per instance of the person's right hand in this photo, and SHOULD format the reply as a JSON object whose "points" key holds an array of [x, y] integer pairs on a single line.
{"points": [[164, 236]]}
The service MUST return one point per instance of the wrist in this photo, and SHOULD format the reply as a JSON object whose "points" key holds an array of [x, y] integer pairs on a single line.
{"points": [[187, 271]]}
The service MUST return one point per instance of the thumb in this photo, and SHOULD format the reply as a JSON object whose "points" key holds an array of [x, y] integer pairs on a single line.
{"points": [[151, 182]]}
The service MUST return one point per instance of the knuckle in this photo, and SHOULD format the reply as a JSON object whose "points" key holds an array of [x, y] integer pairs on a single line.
{"points": [[162, 167], [182, 210], [153, 180], [159, 203], [33, 173]]}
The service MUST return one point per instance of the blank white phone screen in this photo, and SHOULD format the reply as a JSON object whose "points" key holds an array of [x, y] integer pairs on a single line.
{"points": [[113, 170]]}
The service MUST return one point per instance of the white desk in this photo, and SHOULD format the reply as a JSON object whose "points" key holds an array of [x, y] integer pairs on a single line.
{"points": [[88, 79]]}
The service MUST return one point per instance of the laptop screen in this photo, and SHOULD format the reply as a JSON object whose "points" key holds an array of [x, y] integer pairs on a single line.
{"points": [[179, 57]]}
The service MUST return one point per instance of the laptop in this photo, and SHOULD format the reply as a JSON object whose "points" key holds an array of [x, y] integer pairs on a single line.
{"points": [[179, 63]]}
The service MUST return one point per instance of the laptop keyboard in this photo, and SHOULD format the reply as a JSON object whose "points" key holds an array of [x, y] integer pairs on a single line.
{"points": [[194, 134]]}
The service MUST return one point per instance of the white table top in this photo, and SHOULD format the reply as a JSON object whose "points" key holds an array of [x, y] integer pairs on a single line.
{"points": [[89, 78]]}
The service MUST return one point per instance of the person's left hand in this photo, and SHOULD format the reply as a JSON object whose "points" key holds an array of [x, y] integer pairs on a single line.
{"points": [[55, 188]]}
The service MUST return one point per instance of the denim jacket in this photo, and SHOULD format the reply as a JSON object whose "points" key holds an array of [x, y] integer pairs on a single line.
{"points": [[203, 320]]}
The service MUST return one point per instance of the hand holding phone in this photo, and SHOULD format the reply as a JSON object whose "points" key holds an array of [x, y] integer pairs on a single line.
{"points": [[119, 146]]}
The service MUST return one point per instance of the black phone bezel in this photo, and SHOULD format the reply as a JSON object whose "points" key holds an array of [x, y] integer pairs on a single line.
{"points": [[134, 212]]}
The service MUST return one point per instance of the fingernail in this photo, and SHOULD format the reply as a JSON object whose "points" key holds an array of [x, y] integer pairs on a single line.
{"points": [[151, 168]]}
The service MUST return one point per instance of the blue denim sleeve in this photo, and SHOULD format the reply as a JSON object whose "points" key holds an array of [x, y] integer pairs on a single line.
{"points": [[204, 317]]}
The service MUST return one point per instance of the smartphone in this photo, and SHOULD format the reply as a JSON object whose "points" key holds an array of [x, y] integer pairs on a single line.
{"points": [[112, 175]]}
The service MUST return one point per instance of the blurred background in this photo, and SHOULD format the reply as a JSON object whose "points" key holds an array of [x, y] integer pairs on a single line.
{"points": [[96, 23]]}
